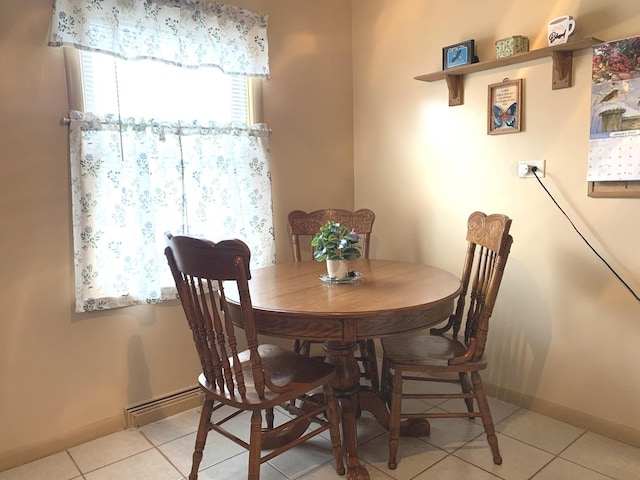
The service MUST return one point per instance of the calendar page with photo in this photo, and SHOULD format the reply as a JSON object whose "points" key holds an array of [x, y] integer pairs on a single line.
{"points": [[614, 145]]}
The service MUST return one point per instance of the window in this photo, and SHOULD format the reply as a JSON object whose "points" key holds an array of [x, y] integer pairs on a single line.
{"points": [[173, 152], [161, 91], [154, 148]]}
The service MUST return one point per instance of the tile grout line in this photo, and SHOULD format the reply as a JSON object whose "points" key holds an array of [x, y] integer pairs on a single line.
{"points": [[74, 462], [151, 447], [578, 464], [452, 454], [543, 466], [182, 476]]}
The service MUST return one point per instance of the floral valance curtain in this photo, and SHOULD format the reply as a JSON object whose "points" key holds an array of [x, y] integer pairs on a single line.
{"points": [[187, 33]]}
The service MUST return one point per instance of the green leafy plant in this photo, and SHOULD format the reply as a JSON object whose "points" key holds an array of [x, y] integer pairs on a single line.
{"points": [[335, 242]]}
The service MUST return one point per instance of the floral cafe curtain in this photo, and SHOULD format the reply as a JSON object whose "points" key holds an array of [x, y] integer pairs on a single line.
{"points": [[186, 33], [132, 180], [129, 184]]}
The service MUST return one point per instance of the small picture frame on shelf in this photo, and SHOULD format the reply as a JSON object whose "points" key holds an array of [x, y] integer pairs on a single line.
{"points": [[505, 107], [462, 53]]}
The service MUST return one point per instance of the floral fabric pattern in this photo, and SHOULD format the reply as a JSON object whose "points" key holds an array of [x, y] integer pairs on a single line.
{"points": [[185, 33], [134, 180]]}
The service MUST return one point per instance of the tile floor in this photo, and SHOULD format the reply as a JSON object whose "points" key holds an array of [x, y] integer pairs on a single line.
{"points": [[532, 446]]}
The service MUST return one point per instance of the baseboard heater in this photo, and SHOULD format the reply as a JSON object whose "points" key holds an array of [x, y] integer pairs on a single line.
{"points": [[162, 407]]}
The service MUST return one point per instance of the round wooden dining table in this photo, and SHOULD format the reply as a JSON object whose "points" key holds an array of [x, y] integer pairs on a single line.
{"points": [[386, 297]]}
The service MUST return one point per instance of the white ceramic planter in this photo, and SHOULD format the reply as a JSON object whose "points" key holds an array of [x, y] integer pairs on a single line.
{"points": [[338, 269]]}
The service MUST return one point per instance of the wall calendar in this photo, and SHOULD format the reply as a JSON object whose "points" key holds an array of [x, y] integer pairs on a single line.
{"points": [[614, 145]]}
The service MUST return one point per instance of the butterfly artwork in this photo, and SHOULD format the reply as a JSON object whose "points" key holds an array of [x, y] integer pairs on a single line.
{"points": [[504, 110], [504, 118]]}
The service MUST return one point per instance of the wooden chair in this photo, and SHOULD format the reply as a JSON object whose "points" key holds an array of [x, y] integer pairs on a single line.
{"points": [[259, 378], [436, 355], [308, 224]]}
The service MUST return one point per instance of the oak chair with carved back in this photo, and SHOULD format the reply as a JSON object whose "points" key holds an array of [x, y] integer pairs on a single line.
{"points": [[442, 357], [307, 224], [257, 379]]}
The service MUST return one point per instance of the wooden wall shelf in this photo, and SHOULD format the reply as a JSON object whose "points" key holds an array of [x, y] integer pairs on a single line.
{"points": [[562, 75]]}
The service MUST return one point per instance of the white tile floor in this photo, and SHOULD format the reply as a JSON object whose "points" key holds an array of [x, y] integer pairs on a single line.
{"points": [[532, 446]]}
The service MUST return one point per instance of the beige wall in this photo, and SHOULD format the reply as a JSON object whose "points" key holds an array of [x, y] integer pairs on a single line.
{"points": [[66, 377], [565, 332]]}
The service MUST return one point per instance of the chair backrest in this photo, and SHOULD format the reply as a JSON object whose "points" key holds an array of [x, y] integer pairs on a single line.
{"points": [[303, 223], [489, 244], [199, 268]]}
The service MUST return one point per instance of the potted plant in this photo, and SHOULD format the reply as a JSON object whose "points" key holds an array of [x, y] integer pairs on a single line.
{"points": [[335, 243]]}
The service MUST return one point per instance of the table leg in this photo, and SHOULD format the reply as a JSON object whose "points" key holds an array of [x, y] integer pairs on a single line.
{"points": [[347, 386]]}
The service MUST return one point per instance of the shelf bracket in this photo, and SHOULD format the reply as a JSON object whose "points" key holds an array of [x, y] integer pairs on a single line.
{"points": [[562, 76], [456, 90]]}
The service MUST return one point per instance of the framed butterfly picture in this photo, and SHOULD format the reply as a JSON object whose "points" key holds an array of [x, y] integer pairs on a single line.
{"points": [[505, 107]]}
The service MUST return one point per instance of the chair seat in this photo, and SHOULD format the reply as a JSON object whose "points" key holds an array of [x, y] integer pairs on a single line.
{"points": [[282, 367], [428, 352]]}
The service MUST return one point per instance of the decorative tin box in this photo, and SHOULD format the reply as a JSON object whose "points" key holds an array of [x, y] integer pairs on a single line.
{"points": [[511, 45]]}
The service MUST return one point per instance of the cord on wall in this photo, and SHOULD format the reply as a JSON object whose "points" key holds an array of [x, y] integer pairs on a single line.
{"points": [[534, 170]]}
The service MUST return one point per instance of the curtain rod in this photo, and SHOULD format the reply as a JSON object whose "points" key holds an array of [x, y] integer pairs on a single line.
{"points": [[67, 121]]}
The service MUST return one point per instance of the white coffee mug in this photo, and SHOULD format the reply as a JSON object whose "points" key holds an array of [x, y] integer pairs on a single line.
{"points": [[560, 28]]}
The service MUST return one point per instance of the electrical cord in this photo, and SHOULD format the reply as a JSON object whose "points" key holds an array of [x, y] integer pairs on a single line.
{"points": [[534, 169]]}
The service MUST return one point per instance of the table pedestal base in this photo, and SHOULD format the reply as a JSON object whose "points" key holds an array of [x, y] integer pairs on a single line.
{"points": [[353, 399], [347, 388]]}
